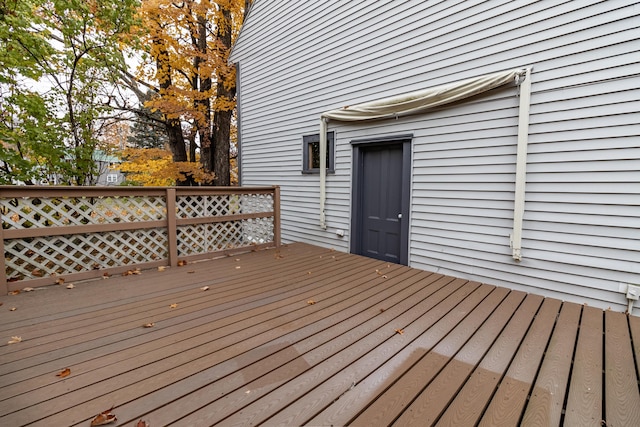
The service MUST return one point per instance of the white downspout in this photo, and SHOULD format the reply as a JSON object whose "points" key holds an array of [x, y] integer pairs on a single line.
{"points": [[323, 170], [521, 165]]}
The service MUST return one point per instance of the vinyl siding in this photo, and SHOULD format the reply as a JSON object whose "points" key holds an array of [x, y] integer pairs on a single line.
{"points": [[581, 231]]}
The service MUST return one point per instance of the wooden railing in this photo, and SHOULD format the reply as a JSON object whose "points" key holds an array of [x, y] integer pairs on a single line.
{"points": [[79, 233]]}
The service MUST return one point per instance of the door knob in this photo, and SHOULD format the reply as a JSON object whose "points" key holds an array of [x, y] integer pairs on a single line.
{"points": [[399, 216]]}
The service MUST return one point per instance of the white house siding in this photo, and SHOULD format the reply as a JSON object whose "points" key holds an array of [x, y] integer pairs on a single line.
{"points": [[581, 234]]}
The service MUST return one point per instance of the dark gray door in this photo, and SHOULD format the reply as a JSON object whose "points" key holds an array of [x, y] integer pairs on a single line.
{"points": [[382, 189]]}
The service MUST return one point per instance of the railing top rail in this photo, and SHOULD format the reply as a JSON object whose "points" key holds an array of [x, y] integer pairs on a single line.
{"points": [[223, 190], [12, 191]]}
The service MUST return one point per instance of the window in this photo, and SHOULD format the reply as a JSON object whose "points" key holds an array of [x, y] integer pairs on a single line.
{"points": [[112, 178], [311, 153]]}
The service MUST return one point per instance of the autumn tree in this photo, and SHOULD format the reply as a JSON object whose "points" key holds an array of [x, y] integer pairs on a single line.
{"points": [[67, 50], [187, 48], [155, 167], [72, 53]]}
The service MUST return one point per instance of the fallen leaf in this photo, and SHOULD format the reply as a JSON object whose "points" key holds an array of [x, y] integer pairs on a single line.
{"points": [[128, 273], [15, 340], [149, 325], [382, 310], [247, 392], [311, 302], [204, 288], [103, 418], [143, 423], [162, 268], [137, 271], [16, 292], [64, 373], [12, 309], [191, 272], [182, 263], [70, 286], [384, 277], [174, 305], [237, 267], [400, 331], [106, 275], [308, 272], [237, 259], [27, 289]]}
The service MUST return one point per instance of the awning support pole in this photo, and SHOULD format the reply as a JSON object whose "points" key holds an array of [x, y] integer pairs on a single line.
{"points": [[521, 166], [323, 170]]}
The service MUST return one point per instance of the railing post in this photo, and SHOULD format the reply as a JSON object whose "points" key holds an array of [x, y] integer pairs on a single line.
{"points": [[4, 286], [276, 216], [172, 229]]}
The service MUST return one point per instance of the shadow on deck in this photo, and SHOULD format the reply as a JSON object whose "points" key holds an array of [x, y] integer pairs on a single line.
{"points": [[309, 336]]}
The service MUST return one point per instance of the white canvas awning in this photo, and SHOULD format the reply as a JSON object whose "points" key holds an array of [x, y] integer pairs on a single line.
{"points": [[411, 103], [416, 102]]}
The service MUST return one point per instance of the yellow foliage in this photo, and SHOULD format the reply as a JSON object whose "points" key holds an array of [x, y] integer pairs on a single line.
{"points": [[170, 32], [153, 167]]}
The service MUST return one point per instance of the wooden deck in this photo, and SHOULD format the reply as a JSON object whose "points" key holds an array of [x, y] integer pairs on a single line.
{"points": [[308, 336]]}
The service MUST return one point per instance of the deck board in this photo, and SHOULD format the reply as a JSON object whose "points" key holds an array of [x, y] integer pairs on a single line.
{"points": [[470, 402], [436, 397], [359, 343], [547, 398], [634, 328], [349, 391], [270, 363], [622, 399], [254, 350], [584, 405], [387, 407], [509, 400]]}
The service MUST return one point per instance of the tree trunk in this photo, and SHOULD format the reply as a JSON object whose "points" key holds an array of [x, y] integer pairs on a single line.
{"points": [[222, 146], [225, 89], [203, 104], [174, 128]]}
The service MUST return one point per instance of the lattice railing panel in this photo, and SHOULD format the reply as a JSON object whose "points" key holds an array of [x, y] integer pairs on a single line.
{"points": [[19, 213], [202, 238], [196, 206], [256, 203], [42, 228], [60, 255], [257, 231]]}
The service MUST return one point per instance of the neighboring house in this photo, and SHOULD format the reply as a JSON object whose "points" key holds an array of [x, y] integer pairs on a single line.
{"points": [[109, 174], [107, 168], [522, 171]]}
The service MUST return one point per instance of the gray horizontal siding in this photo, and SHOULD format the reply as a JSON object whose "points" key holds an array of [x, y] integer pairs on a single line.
{"points": [[312, 80], [581, 221]]}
